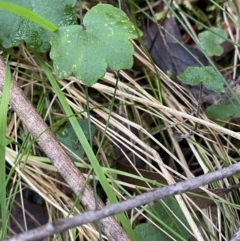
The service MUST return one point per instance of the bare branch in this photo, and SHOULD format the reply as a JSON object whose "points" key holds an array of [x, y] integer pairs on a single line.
{"points": [[153, 195], [53, 149]]}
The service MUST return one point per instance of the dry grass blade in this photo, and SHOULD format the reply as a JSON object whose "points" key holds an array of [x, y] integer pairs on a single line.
{"points": [[57, 155]]}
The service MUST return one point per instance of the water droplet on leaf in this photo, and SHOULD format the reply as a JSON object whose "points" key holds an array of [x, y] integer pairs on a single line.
{"points": [[63, 133]]}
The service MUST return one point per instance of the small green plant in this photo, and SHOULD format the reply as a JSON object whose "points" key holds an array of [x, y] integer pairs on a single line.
{"points": [[211, 39], [67, 136], [86, 51], [167, 212], [102, 41], [206, 75], [224, 111]]}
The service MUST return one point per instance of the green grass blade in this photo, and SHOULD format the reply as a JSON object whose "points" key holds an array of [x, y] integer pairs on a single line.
{"points": [[3, 125]]}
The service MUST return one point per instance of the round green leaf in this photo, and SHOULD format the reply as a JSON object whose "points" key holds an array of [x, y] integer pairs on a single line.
{"points": [[206, 75], [225, 111], [211, 39], [103, 41]]}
